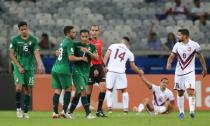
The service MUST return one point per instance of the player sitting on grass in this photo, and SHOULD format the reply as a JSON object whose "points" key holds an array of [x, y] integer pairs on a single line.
{"points": [[163, 99]]}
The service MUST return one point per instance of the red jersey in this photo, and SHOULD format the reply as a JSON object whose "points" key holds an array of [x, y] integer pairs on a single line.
{"points": [[99, 46]]}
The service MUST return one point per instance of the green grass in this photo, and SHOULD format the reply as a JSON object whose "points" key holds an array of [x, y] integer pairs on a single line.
{"points": [[8, 118]]}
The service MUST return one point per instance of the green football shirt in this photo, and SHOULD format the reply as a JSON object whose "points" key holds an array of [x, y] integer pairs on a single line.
{"points": [[82, 67], [24, 51], [66, 48]]}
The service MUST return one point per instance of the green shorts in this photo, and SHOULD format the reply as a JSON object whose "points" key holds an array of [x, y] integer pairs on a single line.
{"points": [[61, 81], [80, 82], [26, 79]]}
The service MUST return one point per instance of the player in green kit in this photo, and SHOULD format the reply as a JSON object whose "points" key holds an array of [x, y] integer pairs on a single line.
{"points": [[61, 75], [23, 53], [81, 71]]}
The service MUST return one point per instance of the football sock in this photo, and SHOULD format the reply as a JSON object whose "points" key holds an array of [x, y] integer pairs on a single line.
{"points": [[85, 104], [74, 103], [109, 99], [192, 103], [55, 102], [101, 100], [180, 103], [18, 99], [66, 100], [26, 103], [140, 107], [125, 101]]}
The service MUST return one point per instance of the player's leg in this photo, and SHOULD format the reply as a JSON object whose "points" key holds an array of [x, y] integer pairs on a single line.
{"points": [[110, 80], [102, 86], [190, 87], [180, 87], [57, 91], [19, 81], [121, 84]]}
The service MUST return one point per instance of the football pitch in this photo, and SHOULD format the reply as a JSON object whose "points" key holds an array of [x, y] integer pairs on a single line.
{"points": [[8, 118]]}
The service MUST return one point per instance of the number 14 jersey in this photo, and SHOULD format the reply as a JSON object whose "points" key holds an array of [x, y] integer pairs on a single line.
{"points": [[120, 54], [185, 56]]}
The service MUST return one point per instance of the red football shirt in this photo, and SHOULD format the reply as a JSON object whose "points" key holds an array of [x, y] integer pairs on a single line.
{"points": [[99, 46]]}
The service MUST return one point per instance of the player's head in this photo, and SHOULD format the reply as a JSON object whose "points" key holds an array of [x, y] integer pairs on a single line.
{"points": [[125, 40], [182, 35], [84, 35], [70, 31], [164, 82], [94, 31], [23, 28]]}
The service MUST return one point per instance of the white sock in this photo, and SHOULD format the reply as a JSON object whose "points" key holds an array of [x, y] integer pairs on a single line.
{"points": [[125, 101], [180, 103], [162, 109], [192, 103], [109, 99], [140, 107]]}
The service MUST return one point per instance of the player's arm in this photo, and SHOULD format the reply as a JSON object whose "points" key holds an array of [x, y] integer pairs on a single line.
{"points": [[203, 63], [136, 69], [146, 82], [38, 60], [170, 60], [14, 60]]}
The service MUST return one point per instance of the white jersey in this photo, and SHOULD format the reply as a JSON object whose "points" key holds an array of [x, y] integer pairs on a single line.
{"points": [[160, 97], [185, 56], [120, 54]]}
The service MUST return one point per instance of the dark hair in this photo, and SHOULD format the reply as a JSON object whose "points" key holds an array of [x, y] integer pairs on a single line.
{"points": [[126, 38], [84, 31], [164, 78], [67, 29], [184, 32], [22, 23]]}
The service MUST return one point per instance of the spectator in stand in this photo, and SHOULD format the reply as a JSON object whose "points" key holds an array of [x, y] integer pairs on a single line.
{"points": [[179, 11], [45, 43], [170, 42], [153, 40], [198, 12]]}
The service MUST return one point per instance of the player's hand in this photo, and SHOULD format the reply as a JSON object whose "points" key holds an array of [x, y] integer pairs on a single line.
{"points": [[21, 70], [84, 58], [57, 52], [168, 66], [96, 73], [39, 69], [204, 72]]}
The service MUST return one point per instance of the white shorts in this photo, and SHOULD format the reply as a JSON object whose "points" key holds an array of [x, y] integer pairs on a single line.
{"points": [[183, 82], [117, 80]]}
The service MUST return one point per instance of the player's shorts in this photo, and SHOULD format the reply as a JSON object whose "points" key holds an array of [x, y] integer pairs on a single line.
{"points": [[26, 79], [119, 80], [80, 82], [100, 78], [61, 81], [186, 81]]}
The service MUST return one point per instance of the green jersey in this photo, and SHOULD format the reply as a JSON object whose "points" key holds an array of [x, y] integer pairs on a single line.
{"points": [[82, 67], [24, 51], [62, 62]]}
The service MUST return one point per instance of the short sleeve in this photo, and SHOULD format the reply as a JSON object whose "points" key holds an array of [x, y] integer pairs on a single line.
{"points": [[198, 48], [154, 87], [174, 50], [170, 96], [70, 48], [131, 57], [12, 43]]}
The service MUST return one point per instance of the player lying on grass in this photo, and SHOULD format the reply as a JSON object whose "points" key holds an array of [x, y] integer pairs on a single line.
{"points": [[163, 99]]}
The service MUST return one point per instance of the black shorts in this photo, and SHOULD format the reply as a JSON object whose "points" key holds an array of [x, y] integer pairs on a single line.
{"points": [[100, 78]]}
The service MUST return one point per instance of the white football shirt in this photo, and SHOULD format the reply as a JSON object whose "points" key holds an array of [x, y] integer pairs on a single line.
{"points": [[120, 54], [185, 56], [160, 97]]}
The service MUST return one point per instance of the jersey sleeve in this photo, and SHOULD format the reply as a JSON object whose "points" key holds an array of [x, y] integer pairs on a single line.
{"points": [[170, 96], [70, 48], [154, 87], [174, 50], [198, 48], [131, 57]]}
